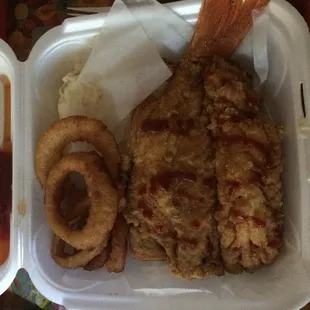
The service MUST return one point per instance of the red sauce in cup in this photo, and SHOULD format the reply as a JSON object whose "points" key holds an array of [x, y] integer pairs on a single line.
{"points": [[5, 176]]}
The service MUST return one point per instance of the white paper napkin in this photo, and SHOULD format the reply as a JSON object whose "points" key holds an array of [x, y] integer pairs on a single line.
{"points": [[125, 63]]}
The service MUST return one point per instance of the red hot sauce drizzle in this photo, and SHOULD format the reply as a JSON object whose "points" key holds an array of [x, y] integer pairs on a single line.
{"points": [[178, 127], [165, 179]]}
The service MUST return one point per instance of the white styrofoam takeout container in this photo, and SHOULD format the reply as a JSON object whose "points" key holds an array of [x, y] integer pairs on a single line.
{"points": [[35, 86]]}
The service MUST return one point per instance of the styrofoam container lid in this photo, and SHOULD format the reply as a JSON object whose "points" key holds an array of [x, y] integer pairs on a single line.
{"points": [[10, 68], [35, 86]]}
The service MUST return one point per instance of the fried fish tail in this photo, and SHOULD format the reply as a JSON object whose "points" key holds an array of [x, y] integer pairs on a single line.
{"points": [[221, 26], [248, 170]]}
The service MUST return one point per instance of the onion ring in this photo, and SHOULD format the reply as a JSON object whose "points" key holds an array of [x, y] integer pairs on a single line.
{"points": [[81, 210], [74, 218], [72, 129], [118, 242], [102, 194], [78, 259]]}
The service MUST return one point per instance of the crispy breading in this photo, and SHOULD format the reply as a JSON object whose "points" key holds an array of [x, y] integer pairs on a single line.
{"points": [[248, 170], [204, 165], [172, 193], [144, 247]]}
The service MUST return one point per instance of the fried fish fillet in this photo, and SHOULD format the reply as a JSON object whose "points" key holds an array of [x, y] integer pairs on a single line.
{"points": [[144, 247], [208, 167], [248, 170], [172, 194], [177, 160]]}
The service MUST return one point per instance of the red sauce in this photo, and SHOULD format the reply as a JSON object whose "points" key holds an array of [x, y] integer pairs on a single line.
{"points": [[5, 203], [146, 210], [274, 244], [239, 215], [142, 189], [155, 125], [245, 141], [180, 195], [258, 222], [165, 179], [251, 144], [232, 185], [5, 175], [195, 224], [5, 181], [190, 243], [181, 127]]}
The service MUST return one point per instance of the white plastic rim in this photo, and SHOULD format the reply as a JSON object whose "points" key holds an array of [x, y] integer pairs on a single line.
{"points": [[35, 86]]}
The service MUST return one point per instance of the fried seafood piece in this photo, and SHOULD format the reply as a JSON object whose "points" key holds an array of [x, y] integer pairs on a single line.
{"points": [[145, 248], [248, 170], [172, 191]]}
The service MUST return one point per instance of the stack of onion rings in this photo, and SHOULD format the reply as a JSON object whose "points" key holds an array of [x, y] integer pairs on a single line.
{"points": [[103, 201], [102, 239], [72, 129]]}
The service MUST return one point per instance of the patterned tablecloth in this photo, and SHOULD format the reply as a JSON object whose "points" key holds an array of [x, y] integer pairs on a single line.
{"points": [[29, 20], [23, 287], [32, 18]]}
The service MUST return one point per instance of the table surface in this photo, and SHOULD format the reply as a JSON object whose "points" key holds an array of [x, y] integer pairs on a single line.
{"points": [[21, 25]]}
